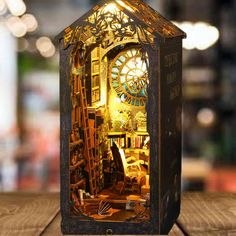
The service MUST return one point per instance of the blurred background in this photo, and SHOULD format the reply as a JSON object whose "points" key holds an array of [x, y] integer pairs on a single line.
{"points": [[29, 91]]}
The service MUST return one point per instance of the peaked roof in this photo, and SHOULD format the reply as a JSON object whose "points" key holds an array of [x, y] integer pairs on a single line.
{"points": [[136, 10]]}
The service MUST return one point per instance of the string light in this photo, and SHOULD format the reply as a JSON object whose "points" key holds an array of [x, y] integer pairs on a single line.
{"points": [[45, 47], [3, 7], [50, 52], [206, 117], [200, 35], [30, 22], [16, 26], [16, 7]]}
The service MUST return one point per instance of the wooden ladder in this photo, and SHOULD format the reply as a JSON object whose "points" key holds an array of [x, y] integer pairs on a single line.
{"points": [[97, 154], [91, 168]]}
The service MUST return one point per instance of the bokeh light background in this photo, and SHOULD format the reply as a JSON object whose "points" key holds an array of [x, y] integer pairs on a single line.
{"points": [[29, 91]]}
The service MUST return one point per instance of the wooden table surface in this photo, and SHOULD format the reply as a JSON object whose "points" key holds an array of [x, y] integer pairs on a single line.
{"points": [[31, 214]]}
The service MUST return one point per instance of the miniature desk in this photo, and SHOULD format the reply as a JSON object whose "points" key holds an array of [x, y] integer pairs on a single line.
{"points": [[29, 214]]}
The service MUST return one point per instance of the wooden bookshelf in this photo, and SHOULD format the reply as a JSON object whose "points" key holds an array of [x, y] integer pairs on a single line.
{"points": [[117, 137], [128, 140], [95, 75]]}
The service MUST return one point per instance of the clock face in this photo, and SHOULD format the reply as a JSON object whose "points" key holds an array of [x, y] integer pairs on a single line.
{"points": [[129, 77]]}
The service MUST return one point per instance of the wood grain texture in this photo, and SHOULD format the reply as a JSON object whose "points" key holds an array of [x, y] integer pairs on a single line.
{"points": [[212, 214], [23, 214], [26, 214], [215, 233], [55, 229], [176, 231]]}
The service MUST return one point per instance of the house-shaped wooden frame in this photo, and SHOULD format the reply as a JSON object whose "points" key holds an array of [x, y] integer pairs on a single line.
{"points": [[88, 49]]}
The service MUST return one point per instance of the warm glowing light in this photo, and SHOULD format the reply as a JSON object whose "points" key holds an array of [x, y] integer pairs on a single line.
{"points": [[200, 35], [206, 117], [121, 3], [147, 184], [211, 35], [30, 22], [117, 100], [45, 47], [111, 7], [51, 52], [16, 26], [189, 42], [43, 44], [3, 7], [16, 7]]}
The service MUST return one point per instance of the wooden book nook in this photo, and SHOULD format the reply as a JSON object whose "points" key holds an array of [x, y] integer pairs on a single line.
{"points": [[120, 89]]}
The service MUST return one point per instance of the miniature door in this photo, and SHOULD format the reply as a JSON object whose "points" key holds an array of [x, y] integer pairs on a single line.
{"points": [[111, 122]]}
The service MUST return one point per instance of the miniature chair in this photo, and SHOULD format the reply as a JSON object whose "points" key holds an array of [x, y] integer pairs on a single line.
{"points": [[127, 171]]}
